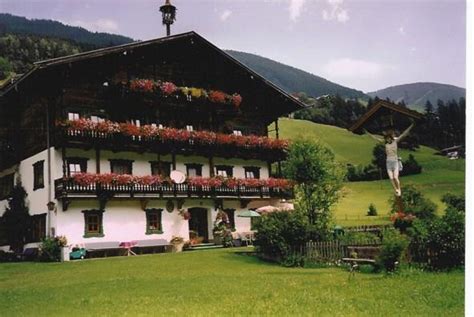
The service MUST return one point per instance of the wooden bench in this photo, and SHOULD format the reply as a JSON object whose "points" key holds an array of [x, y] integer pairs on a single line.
{"points": [[361, 255]]}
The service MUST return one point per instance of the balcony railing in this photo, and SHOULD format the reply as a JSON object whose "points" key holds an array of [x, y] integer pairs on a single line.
{"points": [[69, 188], [123, 136]]}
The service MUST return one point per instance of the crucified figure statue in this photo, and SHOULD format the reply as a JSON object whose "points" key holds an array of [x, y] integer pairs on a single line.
{"points": [[391, 150]]}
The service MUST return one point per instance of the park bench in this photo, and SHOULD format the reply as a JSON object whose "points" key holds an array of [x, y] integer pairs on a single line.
{"points": [[361, 255]]}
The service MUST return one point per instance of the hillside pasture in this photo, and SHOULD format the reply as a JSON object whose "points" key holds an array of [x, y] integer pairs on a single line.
{"points": [[440, 175]]}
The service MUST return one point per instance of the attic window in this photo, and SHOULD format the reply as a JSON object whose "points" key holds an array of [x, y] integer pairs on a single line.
{"points": [[237, 132], [189, 128]]}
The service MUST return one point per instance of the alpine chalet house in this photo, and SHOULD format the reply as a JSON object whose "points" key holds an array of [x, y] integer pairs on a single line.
{"points": [[144, 141]]}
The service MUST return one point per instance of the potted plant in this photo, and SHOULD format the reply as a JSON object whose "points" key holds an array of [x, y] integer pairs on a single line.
{"points": [[177, 244]]}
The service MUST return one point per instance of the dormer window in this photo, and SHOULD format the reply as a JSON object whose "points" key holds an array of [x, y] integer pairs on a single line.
{"points": [[73, 116], [135, 122], [237, 132], [189, 128]]}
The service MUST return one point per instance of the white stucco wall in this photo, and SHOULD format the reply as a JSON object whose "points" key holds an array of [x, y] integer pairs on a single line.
{"points": [[141, 162], [124, 220]]}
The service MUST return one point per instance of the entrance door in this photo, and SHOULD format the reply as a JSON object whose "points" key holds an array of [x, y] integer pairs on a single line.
{"points": [[198, 223]]}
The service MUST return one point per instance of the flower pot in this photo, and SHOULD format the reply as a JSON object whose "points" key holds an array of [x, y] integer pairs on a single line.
{"points": [[218, 239], [177, 247]]}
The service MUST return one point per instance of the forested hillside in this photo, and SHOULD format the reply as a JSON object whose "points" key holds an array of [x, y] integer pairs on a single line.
{"points": [[20, 25], [293, 79]]}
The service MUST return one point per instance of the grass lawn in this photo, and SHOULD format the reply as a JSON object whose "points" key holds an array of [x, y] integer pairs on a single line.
{"points": [[219, 282], [440, 175]]}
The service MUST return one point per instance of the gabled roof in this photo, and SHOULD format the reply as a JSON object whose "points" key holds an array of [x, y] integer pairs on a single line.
{"points": [[380, 106], [38, 66]]}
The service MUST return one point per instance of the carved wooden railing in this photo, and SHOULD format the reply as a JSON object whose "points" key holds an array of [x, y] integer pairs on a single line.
{"points": [[69, 188], [118, 141]]}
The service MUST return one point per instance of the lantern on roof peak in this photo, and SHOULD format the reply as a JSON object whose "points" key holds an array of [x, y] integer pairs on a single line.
{"points": [[169, 15]]}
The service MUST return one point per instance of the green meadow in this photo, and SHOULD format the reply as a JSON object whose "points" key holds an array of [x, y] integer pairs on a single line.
{"points": [[219, 283], [440, 175]]}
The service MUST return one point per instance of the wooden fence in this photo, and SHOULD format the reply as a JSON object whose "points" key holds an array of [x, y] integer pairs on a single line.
{"points": [[330, 251]]}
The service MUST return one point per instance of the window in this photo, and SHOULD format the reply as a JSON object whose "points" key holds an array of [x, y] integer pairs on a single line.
{"points": [[93, 226], [161, 168], [231, 216], [97, 119], [189, 128], [224, 170], [135, 122], [153, 221], [252, 172], [73, 116], [237, 132], [76, 165], [121, 166], [193, 170], [6, 185], [38, 175], [38, 228]]}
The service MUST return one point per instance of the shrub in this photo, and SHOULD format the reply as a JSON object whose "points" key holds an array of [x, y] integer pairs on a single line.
{"points": [[372, 211], [447, 239], [415, 203], [359, 238], [50, 250], [393, 246], [279, 232]]}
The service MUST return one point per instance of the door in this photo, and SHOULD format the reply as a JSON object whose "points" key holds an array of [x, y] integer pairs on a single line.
{"points": [[198, 223]]}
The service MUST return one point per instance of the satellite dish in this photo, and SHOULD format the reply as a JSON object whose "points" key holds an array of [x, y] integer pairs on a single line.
{"points": [[177, 176]]}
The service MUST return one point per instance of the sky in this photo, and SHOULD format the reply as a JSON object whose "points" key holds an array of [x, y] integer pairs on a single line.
{"points": [[363, 44]]}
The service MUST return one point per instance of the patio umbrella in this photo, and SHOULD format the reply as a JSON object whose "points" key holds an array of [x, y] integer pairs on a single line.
{"points": [[248, 214]]}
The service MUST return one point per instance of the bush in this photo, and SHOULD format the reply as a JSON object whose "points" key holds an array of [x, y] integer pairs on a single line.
{"points": [[393, 245], [447, 239], [50, 250], [280, 232], [415, 203], [372, 210]]}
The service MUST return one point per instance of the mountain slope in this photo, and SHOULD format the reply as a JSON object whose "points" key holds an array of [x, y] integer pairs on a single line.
{"points": [[20, 25], [417, 94], [292, 79]]}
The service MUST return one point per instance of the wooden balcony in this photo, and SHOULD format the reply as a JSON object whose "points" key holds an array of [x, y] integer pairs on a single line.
{"points": [[67, 188], [120, 142]]}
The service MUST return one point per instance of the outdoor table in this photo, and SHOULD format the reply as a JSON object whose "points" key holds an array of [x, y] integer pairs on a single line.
{"points": [[128, 246]]}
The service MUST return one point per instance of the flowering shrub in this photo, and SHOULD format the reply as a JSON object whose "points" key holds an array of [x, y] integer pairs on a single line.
{"points": [[175, 135]]}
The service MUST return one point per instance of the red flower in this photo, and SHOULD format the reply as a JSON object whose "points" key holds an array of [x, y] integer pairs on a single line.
{"points": [[167, 88], [84, 179], [124, 179], [217, 96], [236, 100], [142, 85], [149, 180], [130, 129], [105, 179]]}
